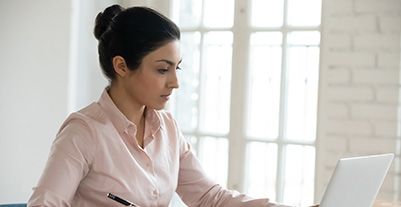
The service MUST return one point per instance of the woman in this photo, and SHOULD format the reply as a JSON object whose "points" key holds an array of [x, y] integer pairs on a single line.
{"points": [[124, 145]]}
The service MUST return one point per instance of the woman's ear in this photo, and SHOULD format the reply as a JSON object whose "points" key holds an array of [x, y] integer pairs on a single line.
{"points": [[120, 66]]}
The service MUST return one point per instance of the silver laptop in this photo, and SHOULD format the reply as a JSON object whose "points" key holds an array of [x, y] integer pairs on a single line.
{"points": [[356, 181]]}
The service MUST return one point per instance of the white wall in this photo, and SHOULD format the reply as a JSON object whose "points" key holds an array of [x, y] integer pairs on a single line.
{"points": [[34, 61], [359, 85], [40, 85], [48, 68], [86, 78]]}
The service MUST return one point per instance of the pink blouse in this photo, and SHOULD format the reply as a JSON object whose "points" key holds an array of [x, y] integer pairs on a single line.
{"points": [[96, 153]]}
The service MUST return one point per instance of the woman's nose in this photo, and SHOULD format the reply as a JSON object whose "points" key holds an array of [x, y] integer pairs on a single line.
{"points": [[173, 81]]}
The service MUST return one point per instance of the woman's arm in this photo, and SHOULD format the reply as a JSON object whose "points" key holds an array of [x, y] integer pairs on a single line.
{"points": [[196, 189], [66, 166]]}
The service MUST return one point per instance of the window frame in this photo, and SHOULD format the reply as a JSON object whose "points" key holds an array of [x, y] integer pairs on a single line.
{"points": [[237, 138]]}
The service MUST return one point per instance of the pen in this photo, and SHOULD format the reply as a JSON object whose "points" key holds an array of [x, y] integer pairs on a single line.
{"points": [[120, 200]]}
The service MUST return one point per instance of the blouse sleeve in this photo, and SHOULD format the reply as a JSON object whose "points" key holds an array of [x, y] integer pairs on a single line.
{"points": [[68, 163], [195, 189]]}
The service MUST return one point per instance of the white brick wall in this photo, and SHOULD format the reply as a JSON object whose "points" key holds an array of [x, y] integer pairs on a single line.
{"points": [[359, 85], [376, 6]]}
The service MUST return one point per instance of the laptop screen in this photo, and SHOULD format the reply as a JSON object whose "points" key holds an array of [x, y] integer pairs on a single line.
{"points": [[356, 181]]}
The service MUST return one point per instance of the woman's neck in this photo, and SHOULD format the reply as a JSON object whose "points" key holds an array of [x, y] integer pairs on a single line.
{"points": [[133, 111]]}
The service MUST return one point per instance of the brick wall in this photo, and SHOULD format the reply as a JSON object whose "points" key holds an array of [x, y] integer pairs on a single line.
{"points": [[359, 86]]}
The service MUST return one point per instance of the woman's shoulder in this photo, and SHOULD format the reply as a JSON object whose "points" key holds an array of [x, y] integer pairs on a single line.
{"points": [[165, 115], [78, 132], [91, 113], [166, 119], [87, 117]]}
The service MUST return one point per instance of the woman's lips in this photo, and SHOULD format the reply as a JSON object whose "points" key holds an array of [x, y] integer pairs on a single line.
{"points": [[166, 97]]}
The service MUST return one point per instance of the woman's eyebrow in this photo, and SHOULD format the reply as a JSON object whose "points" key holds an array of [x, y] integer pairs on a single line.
{"points": [[169, 61]]}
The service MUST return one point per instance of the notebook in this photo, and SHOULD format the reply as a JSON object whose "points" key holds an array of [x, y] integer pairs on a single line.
{"points": [[356, 181]]}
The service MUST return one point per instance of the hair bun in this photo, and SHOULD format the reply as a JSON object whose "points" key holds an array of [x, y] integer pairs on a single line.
{"points": [[105, 18]]}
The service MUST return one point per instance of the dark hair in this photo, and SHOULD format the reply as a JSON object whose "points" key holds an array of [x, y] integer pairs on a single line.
{"points": [[131, 33]]}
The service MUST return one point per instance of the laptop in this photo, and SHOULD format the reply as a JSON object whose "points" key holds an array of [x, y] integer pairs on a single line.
{"points": [[356, 181]]}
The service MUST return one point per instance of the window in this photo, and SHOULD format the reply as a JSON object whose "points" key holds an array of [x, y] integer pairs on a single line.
{"points": [[248, 95]]}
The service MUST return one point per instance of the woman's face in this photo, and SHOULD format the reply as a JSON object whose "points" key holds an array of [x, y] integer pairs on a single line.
{"points": [[152, 83]]}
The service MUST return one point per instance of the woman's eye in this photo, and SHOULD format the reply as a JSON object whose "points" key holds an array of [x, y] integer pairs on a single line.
{"points": [[162, 71], [178, 68]]}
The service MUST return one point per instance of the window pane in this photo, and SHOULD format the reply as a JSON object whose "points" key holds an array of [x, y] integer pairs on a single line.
{"points": [[299, 175], [304, 13], [216, 82], [261, 169], [219, 13], [264, 85], [193, 141], [186, 102], [189, 13], [310, 38], [213, 155], [302, 89], [267, 13]]}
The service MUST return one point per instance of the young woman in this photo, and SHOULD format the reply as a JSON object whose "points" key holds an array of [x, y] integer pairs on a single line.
{"points": [[124, 145]]}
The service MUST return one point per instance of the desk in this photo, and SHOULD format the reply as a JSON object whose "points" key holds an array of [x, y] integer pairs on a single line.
{"points": [[387, 204]]}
